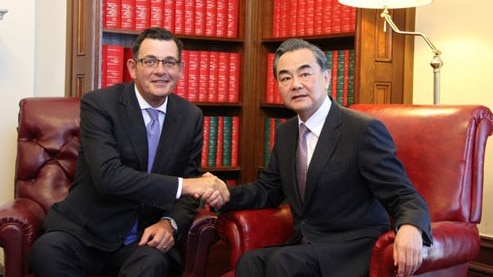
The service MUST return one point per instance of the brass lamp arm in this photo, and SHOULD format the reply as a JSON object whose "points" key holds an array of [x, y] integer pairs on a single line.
{"points": [[436, 62]]}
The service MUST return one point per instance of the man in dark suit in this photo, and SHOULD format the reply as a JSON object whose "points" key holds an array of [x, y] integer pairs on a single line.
{"points": [[353, 178], [124, 215]]}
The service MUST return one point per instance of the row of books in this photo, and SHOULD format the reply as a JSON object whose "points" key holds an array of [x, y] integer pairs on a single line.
{"points": [[218, 18], [341, 63], [341, 88], [208, 76], [221, 141], [292, 18], [271, 124]]}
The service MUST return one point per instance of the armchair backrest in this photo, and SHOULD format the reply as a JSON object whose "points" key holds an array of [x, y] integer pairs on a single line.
{"points": [[47, 148], [442, 148]]}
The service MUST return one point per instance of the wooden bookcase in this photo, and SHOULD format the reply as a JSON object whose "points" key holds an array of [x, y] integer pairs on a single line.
{"points": [[383, 69]]}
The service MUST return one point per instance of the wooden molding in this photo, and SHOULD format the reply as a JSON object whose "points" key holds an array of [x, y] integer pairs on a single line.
{"points": [[483, 264]]}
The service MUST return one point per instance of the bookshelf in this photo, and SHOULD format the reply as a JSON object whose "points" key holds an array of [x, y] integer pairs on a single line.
{"points": [[382, 63]]}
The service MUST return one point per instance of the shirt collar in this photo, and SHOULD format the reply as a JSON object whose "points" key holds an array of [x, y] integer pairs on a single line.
{"points": [[144, 105], [316, 122]]}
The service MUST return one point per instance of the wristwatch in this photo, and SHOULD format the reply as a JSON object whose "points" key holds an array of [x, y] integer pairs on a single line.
{"points": [[172, 222]]}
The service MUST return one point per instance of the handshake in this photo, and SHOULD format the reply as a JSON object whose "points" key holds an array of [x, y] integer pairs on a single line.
{"points": [[208, 188]]}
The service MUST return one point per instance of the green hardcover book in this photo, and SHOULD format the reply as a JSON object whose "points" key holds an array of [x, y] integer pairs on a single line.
{"points": [[211, 160], [227, 133], [340, 77], [328, 54], [350, 94]]}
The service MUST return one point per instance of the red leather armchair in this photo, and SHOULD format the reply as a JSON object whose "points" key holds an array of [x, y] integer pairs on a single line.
{"points": [[442, 148], [47, 145]]}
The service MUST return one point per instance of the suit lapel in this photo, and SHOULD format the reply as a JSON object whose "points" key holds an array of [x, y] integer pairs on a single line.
{"points": [[168, 135], [134, 122], [327, 142]]}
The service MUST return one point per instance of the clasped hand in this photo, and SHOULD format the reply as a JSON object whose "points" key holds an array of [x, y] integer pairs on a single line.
{"points": [[208, 188]]}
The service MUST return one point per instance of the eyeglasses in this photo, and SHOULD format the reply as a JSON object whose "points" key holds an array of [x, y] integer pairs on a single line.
{"points": [[152, 62]]}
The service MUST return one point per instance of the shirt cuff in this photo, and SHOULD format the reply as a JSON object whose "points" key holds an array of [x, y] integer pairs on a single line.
{"points": [[180, 186]]}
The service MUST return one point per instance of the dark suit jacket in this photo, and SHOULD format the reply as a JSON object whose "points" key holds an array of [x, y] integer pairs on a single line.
{"points": [[112, 187], [353, 178]]}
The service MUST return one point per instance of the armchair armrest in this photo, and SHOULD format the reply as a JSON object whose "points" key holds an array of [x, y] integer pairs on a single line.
{"points": [[250, 229], [20, 224], [454, 243], [195, 246]]}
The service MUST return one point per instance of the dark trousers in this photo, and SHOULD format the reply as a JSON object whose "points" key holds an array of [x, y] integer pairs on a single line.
{"points": [[337, 259], [61, 254]]}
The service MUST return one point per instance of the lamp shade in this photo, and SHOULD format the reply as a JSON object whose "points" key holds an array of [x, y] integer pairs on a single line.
{"points": [[382, 4]]}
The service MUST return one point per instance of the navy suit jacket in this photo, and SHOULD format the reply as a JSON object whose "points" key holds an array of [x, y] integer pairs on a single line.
{"points": [[353, 179], [112, 188]]}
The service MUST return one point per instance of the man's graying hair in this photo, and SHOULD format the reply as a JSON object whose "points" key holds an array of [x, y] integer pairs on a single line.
{"points": [[159, 34], [295, 44]]}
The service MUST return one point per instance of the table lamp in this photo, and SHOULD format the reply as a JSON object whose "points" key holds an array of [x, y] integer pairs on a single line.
{"points": [[436, 62]]}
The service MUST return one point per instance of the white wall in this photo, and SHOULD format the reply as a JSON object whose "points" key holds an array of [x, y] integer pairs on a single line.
{"points": [[462, 30], [32, 63], [32, 59]]}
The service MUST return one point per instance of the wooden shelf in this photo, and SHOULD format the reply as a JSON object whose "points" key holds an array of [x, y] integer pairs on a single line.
{"points": [[383, 70]]}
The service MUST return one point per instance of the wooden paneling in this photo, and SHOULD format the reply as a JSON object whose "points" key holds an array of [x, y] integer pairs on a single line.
{"points": [[383, 58], [483, 264], [83, 25]]}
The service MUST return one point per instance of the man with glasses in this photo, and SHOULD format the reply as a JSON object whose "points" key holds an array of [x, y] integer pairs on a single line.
{"points": [[138, 179]]}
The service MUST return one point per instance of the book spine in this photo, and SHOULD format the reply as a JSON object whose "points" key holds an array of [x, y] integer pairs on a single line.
{"points": [[210, 18], [310, 17], [111, 15], [193, 75], [276, 18], [340, 77], [189, 17], [205, 147], [234, 78], [157, 12], [199, 18], [182, 85], [128, 15], [283, 19], [336, 17], [292, 18], [351, 78], [346, 19], [169, 15], [142, 14], [232, 20], [301, 17], [222, 77], [221, 18], [319, 17], [346, 78], [220, 141], [213, 76], [179, 16], [235, 141], [203, 76], [211, 160], [328, 55], [327, 17], [114, 64], [335, 60], [227, 140]]}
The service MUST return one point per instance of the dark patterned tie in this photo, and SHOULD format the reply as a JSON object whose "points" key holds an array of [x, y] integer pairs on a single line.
{"points": [[302, 160]]}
